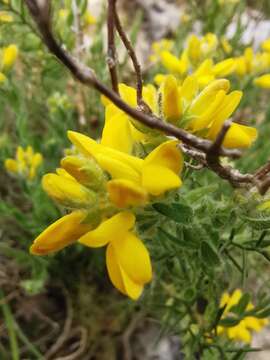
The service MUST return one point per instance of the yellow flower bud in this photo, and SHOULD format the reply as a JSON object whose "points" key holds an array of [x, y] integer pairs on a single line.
{"points": [[11, 166], [263, 81], [85, 171], [9, 56], [5, 17], [67, 192]]}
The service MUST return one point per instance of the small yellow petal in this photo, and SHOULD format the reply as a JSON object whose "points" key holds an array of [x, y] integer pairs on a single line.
{"points": [[124, 193], [114, 269], [91, 148], [190, 88], [166, 155], [128, 94], [229, 105], [60, 234], [117, 169], [172, 63], [9, 56], [207, 96], [113, 228], [67, 191], [240, 136], [159, 179], [138, 265], [11, 165], [171, 99], [263, 81], [117, 131], [225, 67], [206, 118]]}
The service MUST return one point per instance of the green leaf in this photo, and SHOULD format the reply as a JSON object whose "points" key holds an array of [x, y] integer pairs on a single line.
{"points": [[229, 322], [242, 304], [260, 223], [263, 314], [164, 235], [209, 254], [179, 213]]}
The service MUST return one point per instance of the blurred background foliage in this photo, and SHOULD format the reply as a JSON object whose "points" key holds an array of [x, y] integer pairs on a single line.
{"points": [[206, 240]]}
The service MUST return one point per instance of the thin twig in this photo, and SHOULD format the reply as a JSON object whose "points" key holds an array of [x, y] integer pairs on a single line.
{"points": [[111, 52], [134, 60]]}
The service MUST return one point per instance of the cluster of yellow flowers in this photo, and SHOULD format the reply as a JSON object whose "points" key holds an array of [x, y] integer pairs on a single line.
{"points": [[243, 330], [25, 164], [8, 56], [86, 20], [197, 58], [263, 81], [104, 183]]}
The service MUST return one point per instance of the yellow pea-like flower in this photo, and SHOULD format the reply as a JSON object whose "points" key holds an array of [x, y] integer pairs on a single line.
{"points": [[263, 81], [25, 164], [67, 191], [243, 330], [9, 56], [5, 17]]}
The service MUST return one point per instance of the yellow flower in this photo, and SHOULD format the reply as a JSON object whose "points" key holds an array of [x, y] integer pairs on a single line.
{"points": [[3, 78], [132, 178], [159, 46], [128, 273], [204, 113], [5, 17], [25, 164], [224, 68], [199, 49], [243, 330], [226, 46], [89, 19], [266, 45], [173, 64], [63, 14], [194, 49], [263, 81], [9, 56]]}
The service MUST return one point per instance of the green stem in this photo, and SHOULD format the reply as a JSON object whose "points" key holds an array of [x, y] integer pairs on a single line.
{"points": [[9, 321]]}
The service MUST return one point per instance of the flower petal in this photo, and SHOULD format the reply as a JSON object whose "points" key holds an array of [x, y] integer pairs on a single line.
{"points": [[113, 228], [229, 105], [117, 131], [67, 191], [117, 169], [133, 258], [171, 99], [11, 165], [168, 155], [124, 193], [240, 136], [158, 179], [61, 233], [114, 269], [89, 147], [207, 96], [118, 276]]}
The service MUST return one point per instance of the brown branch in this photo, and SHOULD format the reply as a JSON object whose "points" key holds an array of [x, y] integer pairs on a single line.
{"points": [[111, 53], [133, 57], [213, 160]]}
